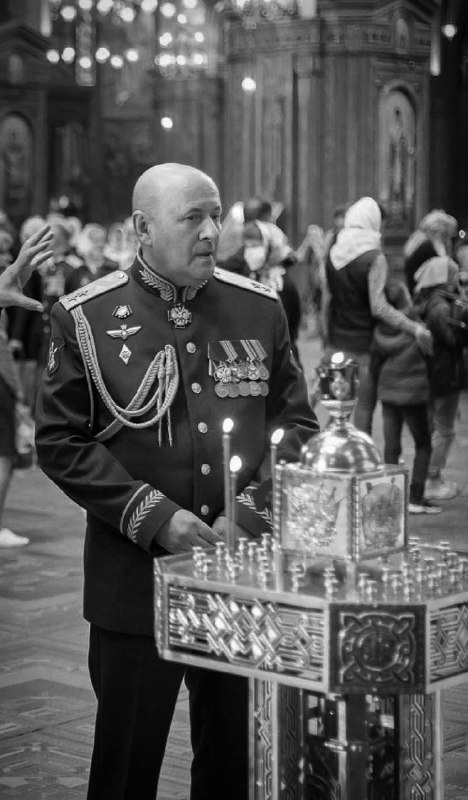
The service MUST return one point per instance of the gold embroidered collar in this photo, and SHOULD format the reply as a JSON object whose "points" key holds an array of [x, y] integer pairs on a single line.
{"points": [[166, 290]]}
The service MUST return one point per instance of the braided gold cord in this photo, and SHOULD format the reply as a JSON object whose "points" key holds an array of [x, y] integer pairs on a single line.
{"points": [[163, 367]]}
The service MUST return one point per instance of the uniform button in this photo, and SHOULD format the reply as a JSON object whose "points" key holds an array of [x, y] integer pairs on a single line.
{"points": [[190, 347], [202, 427], [196, 388], [205, 469], [205, 510]]}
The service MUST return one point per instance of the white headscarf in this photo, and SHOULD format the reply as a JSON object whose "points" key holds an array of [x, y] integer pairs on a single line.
{"points": [[360, 234], [276, 240], [436, 271]]}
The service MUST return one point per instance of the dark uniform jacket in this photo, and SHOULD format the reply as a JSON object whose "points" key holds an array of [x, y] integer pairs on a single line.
{"points": [[106, 338]]}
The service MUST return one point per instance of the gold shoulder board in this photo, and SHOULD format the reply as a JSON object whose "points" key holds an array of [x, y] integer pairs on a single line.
{"points": [[244, 283], [94, 289]]}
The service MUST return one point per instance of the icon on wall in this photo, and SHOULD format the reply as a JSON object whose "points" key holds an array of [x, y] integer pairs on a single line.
{"points": [[16, 166], [397, 137]]}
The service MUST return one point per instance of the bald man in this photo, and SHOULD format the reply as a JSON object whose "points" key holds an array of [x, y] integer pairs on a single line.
{"points": [[143, 368]]}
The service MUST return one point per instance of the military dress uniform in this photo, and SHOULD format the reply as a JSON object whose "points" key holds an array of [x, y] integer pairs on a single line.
{"points": [[140, 376]]}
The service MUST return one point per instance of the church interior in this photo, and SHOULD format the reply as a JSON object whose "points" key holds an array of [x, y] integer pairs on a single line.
{"points": [[297, 100], [311, 104]]}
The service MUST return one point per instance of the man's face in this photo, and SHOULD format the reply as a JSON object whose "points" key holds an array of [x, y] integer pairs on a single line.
{"points": [[184, 232]]}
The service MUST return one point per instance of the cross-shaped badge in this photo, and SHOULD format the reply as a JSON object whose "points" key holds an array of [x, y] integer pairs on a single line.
{"points": [[179, 316]]}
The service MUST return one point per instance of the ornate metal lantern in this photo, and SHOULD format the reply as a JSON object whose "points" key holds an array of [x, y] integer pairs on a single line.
{"points": [[340, 500]]}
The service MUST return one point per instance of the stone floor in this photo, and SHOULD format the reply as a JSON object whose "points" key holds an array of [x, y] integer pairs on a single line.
{"points": [[46, 703]]}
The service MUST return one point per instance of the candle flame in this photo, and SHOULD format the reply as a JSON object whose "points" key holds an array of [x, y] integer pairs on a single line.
{"points": [[277, 436], [228, 425], [337, 358], [235, 464]]}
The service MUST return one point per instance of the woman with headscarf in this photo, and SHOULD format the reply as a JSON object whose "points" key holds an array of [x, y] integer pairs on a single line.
{"points": [[432, 238], [264, 257], [357, 272], [91, 247], [436, 289]]}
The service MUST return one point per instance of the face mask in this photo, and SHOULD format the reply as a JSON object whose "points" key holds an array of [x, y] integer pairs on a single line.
{"points": [[255, 257]]}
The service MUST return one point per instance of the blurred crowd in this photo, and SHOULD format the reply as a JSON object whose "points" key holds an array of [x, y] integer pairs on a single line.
{"points": [[81, 254], [406, 329]]}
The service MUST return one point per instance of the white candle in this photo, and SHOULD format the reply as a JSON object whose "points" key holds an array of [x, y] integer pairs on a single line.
{"points": [[235, 465], [228, 425], [276, 438], [274, 442]]}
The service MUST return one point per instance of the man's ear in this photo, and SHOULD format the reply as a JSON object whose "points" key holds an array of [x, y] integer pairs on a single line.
{"points": [[141, 227]]}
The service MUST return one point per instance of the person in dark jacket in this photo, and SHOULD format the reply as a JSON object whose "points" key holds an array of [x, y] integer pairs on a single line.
{"points": [[357, 271], [144, 366], [437, 285], [402, 378]]}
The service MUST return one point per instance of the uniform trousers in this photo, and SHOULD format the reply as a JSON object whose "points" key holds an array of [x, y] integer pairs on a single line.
{"points": [[136, 693]]}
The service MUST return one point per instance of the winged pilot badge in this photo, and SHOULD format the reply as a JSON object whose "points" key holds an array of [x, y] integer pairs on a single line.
{"points": [[124, 332]]}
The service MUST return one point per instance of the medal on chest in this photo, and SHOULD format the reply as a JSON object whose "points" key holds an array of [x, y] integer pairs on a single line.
{"points": [[237, 368], [179, 316]]}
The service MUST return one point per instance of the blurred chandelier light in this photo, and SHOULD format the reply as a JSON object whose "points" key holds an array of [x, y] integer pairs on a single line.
{"points": [[90, 32], [181, 40], [254, 11], [449, 30]]}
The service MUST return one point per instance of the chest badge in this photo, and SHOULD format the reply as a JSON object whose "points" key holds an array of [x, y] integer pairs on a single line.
{"points": [[179, 316], [124, 332], [53, 360], [122, 312], [125, 354], [238, 369]]}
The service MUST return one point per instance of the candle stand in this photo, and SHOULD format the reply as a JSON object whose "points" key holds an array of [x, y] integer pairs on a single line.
{"points": [[347, 631]]}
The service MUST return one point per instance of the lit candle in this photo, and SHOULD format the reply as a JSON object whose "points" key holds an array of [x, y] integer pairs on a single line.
{"points": [[228, 425], [278, 558], [235, 465], [274, 442]]}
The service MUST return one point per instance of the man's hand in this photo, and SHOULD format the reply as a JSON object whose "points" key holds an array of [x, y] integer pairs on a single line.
{"points": [[221, 524], [183, 531], [424, 340], [32, 254]]}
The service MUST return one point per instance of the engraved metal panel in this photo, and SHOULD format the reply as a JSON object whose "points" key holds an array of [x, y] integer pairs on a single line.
{"points": [[291, 743], [420, 747], [277, 749], [261, 739], [379, 649], [448, 641], [247, 632]]}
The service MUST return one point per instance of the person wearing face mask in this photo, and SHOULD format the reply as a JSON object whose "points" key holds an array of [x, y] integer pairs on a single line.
{"points": [[264, 257], [436, 288]]}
